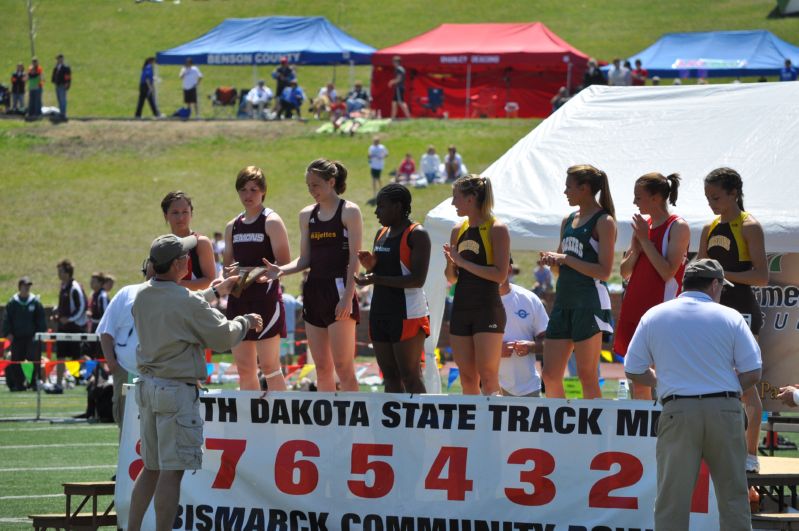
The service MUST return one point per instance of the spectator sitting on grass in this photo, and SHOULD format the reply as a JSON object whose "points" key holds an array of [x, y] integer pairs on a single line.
{"points": [[429, 165], [358, 98], [453, 164], [406, 169]]}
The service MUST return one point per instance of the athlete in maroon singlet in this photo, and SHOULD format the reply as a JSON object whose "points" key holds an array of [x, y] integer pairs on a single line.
{"points": [[330, 240], [255, 235], [178, 212]]}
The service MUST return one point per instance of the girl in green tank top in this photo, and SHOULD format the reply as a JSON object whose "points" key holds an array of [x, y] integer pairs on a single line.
{"points": [[584, 261]]}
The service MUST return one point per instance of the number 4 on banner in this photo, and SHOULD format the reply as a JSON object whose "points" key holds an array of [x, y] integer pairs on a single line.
{"points": [[455, 483]]}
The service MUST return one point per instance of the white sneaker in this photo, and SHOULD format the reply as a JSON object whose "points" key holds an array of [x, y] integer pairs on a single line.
{"points": [[752, 464]]}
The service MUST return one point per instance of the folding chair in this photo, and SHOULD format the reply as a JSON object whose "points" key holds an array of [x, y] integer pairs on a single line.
{"points": [[224, 101], [434, 101]]}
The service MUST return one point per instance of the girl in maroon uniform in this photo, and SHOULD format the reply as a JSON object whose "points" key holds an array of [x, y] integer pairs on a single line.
{"points": [[330, 238], [653, 265], [257, 234], [178, 212]]}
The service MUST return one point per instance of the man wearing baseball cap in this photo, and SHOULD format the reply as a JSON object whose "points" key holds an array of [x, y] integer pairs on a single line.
{"points": [[704, 356], [175, 326], [23, 318]]}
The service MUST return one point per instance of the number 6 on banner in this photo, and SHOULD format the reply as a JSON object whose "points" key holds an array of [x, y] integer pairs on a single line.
{"points": [[383, 473], [286, 463]]}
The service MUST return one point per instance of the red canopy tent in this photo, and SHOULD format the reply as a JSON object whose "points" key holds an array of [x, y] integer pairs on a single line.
{"points": [[480, 68]]}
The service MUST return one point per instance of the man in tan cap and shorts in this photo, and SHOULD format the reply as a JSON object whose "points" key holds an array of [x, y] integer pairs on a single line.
{"points": [[175, 326]]}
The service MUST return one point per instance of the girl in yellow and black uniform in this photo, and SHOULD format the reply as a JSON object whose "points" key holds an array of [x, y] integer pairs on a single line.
{"points": [[478, 317], [735, 239]]}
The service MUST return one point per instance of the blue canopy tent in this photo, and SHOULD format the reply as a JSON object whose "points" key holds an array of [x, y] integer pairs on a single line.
{"points": [[264, 40], [717, 54]]}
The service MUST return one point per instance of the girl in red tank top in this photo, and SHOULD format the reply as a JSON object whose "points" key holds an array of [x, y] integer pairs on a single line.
{"points": [[178, 212], [254, 235], [330, 232], [653, 265]]}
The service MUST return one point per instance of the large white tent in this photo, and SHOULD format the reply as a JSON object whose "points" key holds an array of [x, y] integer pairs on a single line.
{"points": [[630, 131]]}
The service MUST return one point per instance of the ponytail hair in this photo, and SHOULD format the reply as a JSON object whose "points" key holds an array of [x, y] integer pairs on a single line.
{"points": [[171, 197], [330, 169], [729, 180], [396, 193], [656, 184], [598, 182], [480, 187]]}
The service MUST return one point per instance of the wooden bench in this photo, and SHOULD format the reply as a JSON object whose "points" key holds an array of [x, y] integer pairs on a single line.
{"points": [[70, 519], [778, 424], [777, 475], [782, 521]]}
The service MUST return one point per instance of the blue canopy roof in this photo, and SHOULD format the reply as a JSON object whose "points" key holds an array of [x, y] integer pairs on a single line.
{"points": [[717, 54], [264, 40]]}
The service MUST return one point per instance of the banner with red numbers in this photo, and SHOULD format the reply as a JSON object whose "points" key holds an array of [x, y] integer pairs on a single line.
{"points": [[380, 462]]}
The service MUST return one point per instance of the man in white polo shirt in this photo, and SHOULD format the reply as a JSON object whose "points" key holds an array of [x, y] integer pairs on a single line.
{"points": [[527, 323], [175, 325], [118, 339], [705, 356]]}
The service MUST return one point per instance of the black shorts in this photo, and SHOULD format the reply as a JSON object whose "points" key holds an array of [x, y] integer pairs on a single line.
{"points": [[376, 173], [742, 299], [271, 311], [319, 299], [471, 321], [396, 330], [190, 95], [69, 349], [399, 94]]}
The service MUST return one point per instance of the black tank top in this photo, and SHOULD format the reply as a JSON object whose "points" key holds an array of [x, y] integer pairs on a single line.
{"points": [[250, 245], [330, 248], [725, 243], [393, 253], [472, 291]]}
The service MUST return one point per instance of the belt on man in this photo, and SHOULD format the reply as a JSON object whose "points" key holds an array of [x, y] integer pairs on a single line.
{"points": [[722, 394]]}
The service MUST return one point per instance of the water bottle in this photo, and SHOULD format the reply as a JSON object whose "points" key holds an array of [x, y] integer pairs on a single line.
{"points": [[622, 393]]}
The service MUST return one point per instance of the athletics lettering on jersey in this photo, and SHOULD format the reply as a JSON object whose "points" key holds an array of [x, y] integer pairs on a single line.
{"points": [[719, 241], [248, 237], [323, 235], [573, 245], [469, 245]]}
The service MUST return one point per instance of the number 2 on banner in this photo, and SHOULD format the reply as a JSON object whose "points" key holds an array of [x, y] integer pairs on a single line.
{"points": [[455, 483], [383, 473], [232, 449], [630, 472]]}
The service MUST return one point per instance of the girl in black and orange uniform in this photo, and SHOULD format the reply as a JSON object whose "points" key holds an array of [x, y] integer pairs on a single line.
{"points": [[330, 238], [478, 319], [397, 267], [178, 212], [735, 239], [257, 233]]}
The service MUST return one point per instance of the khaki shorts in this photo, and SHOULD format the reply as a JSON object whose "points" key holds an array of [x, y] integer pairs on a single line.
{"points": [[170, 424]]}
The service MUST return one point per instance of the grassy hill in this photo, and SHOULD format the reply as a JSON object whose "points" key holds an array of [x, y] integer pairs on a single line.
{"points": [[90, 190]]}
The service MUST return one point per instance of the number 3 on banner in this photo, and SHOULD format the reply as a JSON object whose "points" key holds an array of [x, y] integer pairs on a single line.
{"points": [[455, 483], [383, 473], [543, 488]]}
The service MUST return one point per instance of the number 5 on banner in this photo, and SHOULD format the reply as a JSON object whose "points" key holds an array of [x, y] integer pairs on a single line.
{"points": [[383, 473]]}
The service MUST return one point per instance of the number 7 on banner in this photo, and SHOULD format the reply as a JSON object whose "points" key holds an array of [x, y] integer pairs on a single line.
{"points": [[232, 450]]}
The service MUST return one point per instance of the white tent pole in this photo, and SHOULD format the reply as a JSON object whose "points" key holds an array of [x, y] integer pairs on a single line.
{"points": [[468, 87], [352, 73]]}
